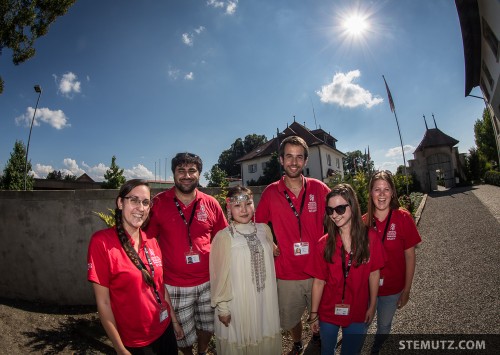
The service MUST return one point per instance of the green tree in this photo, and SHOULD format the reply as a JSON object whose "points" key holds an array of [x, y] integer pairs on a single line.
{"points": [[475, 165], [13, 173], [22, 22], [216, 177], [114, 176], [356, 161], [55, 175], [240, 147], [485, 138], [69, 177]]}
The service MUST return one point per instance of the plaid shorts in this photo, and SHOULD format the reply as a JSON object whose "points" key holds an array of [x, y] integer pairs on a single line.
{"points": [[193, 310]]}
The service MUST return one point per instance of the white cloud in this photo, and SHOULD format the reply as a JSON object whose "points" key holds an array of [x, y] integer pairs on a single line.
{"points": [[72, 167], [229, 6], [189, 76], [187, 39], [173, 73], [345, 93], [215, 3], [96, 172], [396, 151], [69, 84], [41, 171], [56, 119], [138, 172]]}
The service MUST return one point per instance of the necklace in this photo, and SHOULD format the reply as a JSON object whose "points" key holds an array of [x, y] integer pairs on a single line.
{"points": [[257, 262]]}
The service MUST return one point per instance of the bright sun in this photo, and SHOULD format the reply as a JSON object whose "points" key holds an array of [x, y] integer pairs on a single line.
{"points": [[355, 25]]}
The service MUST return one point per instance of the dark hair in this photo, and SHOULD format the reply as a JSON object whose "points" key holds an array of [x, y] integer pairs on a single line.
{"points": [[359, 236], [186, 158], [294, 140], [122, 235], [380, 175]]}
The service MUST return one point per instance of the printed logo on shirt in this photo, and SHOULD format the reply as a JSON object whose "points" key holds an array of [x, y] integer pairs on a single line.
{"points": [[90, 266], [155, 259], [312, 206], [202, 215], [391, 233]]}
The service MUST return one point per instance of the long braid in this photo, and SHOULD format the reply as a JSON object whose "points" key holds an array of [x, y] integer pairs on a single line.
{"points": [[133, 256]]}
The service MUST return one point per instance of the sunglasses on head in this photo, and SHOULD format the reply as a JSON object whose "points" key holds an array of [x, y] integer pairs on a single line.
{"points": [[340, 209]]}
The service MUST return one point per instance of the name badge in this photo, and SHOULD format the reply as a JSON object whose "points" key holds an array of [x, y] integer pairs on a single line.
{"points": [[192, 258], [301, 248], [381, 282], [342, 309], [163, 314]]}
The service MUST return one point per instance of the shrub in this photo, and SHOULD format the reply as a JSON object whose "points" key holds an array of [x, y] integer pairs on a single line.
{"points": [[492, 177]]}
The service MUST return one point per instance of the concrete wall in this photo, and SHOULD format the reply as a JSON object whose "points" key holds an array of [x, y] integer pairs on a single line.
{"points": [[44, 239]]}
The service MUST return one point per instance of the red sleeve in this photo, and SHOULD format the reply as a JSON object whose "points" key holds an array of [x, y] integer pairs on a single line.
{"points": [[98, 265], [220, 219], [411, 235], [262, 211]]}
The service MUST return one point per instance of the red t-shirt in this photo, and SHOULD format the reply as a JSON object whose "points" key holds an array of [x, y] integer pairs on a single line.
{"points": [[357, 290], [402, 234], [274, 207], [134, 305], [167, 224]]}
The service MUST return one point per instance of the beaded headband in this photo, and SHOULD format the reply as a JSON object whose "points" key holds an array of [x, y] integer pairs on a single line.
{"points": [[238, 198]]}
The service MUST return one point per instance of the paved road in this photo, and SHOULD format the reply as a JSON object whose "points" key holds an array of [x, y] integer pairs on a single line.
{"points": [[456, 289]]}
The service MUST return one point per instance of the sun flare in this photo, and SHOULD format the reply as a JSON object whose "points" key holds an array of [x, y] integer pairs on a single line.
{"points": [[355, 25]]}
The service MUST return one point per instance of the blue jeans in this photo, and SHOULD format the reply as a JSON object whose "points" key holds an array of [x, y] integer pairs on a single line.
{"points": [[386, 308], [353, 338]]}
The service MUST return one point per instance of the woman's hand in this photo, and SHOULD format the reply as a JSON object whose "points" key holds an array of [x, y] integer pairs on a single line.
{"points": [[403, 299], [276, 250], [225, 320], [178, 331], [370, 313], [315, 326]]}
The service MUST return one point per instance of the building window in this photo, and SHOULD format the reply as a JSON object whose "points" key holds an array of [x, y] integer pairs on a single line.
{"points": [[307, 171], [338, 163], [329, 160], [264, 165], [487, 74], [490, 38], [252, 168]]}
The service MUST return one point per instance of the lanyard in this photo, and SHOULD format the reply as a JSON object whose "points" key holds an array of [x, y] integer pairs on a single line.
{"points": [[151, 268], [386, 226], [298, 214], [188, 225], [345, 270]]}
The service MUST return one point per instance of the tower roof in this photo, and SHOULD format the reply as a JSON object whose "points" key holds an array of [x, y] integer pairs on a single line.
{"points": [[434, 137]]}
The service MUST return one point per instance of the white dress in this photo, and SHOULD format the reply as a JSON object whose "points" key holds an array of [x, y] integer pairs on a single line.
{"points": [[235, 283]]}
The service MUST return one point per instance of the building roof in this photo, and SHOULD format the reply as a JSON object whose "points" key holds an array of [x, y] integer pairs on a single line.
{"points": [[434, 137], [85, 178], [470, 23], [312, 138]]}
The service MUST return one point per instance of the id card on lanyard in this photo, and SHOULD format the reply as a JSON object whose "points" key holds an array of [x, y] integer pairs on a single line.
{"points": [[300, 247], [191, 256], [343, 309]]}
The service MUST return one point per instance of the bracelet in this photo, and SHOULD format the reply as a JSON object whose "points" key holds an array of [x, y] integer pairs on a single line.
{"points": [[311, 321]]}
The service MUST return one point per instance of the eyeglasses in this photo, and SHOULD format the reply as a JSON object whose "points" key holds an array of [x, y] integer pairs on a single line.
{"points": [[136, 202], [340, 209]]}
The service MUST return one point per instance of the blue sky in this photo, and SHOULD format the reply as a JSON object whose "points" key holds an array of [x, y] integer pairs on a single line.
{"points": [[145, 80]]}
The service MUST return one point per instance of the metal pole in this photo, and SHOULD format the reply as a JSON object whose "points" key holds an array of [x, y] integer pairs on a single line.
{"points": [[403, 151], [38, 89]]}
